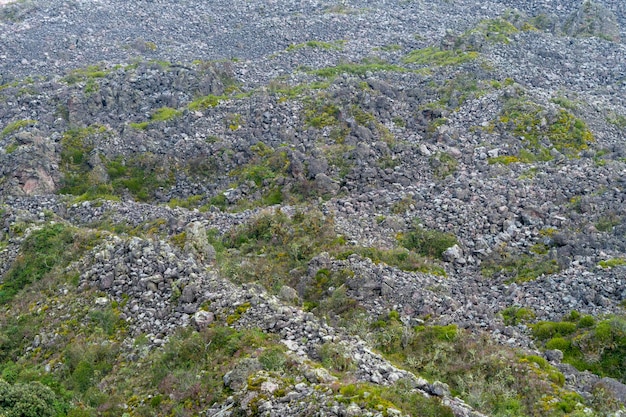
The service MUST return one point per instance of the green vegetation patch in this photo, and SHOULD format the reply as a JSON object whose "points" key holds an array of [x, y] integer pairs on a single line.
{"points": [[608, 221], [431, 243], [517, 315], [321, 112], [612, 263], [359, 69], [165, 114], [495, 380], [265, 168], [203, 103], [494, 30], [407, 259], [398, 397], [443, 164], [503, 159], [314, 44], [27, 400], [139, 176], [89, 73], [53, 246], [189, 370], [617, 119], [587, 344], [535, 125], [274, 249], [520, 267], [76, 145], [433, 56], [15, 126], [139, 125], [288, 92]]}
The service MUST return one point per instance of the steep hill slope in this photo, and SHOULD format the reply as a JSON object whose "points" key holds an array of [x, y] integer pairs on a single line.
{"points": [[312, 208]]}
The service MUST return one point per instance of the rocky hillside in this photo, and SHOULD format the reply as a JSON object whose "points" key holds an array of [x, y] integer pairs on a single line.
{"points": [[318, 208]]}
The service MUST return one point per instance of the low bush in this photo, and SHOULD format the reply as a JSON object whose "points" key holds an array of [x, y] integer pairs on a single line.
{"points": [[431, 243], [587, 344]]}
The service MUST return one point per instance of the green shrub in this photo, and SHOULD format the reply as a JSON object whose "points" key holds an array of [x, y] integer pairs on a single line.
{"points": [[440, 333], [320, 113], [588, 345], [494, 30], [559, 343], [86, 364], [140, 125], [431, 243], [545, 330], [191, 366], [273, 359], [586, 321], [607, 222], [334, 356], [491, 379], [516, 315], [530, 121], [86, 74], [26, 400]]}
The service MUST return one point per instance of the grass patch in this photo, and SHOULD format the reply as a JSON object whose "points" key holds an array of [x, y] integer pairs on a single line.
{"points": [[607, 222], [139, 125], [275, 249], [565, 103], [519, 268], [398, 397], [140, 176], [165, 114], [494, 30], [15, 126], [203, 103], [433, 56], [612, 263], [190, 368], [89, 73], [617, 119], [288, 92], [503, 159], [313, 44], [359, 69]]}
